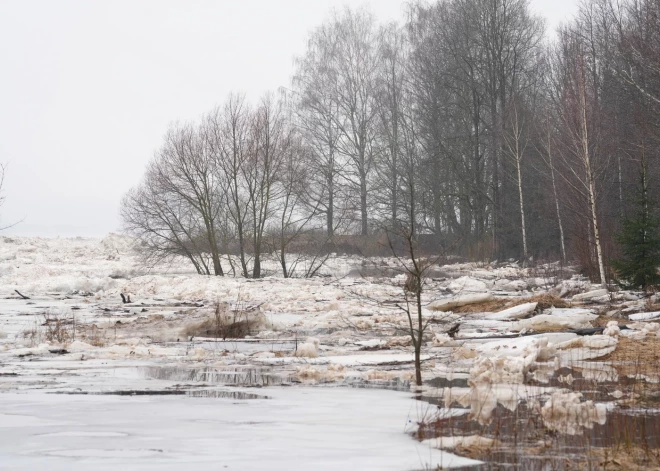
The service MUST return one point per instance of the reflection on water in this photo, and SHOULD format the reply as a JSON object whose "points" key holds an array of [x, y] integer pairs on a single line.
{"points": [[395, 384], [204, 393], [238, 395], [252, 377], [524, 440]]}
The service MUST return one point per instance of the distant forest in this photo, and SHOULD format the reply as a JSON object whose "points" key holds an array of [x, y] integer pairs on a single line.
{"points": [[468, 123]]}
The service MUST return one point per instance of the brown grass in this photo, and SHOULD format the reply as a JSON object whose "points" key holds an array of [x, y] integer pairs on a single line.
{"points": [[93, 335], [211, 328], [225, 323], [59, 328], [621, 458], [545, 301], [642, 352], [639, 359]]}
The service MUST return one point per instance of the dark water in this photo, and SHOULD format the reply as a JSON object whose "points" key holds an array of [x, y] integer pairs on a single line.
{"points": [[390, 385], [525, 443]]}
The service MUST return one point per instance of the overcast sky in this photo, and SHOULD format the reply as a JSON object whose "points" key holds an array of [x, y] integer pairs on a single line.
{"points": [[88, 88]]}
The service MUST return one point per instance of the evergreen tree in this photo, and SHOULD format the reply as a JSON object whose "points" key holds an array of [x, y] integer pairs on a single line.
{"points": [[640, 243]]}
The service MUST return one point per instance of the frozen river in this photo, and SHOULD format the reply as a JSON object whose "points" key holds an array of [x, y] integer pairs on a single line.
{"points": [[295, 428]]}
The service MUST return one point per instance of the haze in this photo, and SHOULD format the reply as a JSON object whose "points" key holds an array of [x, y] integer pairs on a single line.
{"points": [[88, 88]]}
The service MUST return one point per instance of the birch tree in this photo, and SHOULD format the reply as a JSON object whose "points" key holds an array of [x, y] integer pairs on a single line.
{"points": [[578, 111]]}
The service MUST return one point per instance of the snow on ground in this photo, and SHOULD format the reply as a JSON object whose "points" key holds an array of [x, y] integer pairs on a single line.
{"points": [[104, 383]]}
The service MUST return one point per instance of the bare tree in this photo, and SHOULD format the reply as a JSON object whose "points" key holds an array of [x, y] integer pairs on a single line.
{"points": [[270, 144], [319, 121], [162, 222], [232, 130], [391, 81], [177, 202], [516, 140], [294, 221], [578, 108], [349, 66]]}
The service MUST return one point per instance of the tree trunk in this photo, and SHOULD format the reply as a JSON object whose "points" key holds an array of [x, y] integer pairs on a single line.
{"points": [[420, 333], [554, 192], [330, 214], [591, 195], [363, 204], [522, 209]]}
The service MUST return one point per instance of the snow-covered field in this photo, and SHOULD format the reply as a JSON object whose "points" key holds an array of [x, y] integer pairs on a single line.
{"points": [[322, 377]]}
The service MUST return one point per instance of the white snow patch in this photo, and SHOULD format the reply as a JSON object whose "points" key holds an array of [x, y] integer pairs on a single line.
{"points": [[556, 321], [590, 295], [309, 349], [515, 312], [565, 413], [612, 329], [458, 301], [468, 441], [644, 316], [586, 348]]}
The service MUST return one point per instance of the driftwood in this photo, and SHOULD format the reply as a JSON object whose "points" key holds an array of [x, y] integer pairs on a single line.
{"points": [[59, 351], [454, 330], [21, 295]]}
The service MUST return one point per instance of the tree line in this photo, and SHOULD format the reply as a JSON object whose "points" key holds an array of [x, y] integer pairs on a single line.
{"points": [[464, 123]]}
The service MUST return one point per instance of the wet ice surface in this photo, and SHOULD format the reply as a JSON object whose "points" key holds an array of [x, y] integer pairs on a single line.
{"points": [[135, 390], [318, 428]]}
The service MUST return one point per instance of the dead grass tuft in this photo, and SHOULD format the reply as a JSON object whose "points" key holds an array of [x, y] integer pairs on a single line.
{"points": [[637, 351], [59, 328], [226, 323], [547, 300], [493, 305], [223, 330], [94, 336]]}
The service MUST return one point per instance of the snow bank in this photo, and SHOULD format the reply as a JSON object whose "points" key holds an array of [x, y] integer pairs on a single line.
{"points": [[557, 321], [612, 329], [483, 399], [511, 285], [467, 284], [644, 316], [500, 370], [458, 301], [508, 360], [569, 312], [401, 341], [442, 339], [332, 373], [586, 348], [565, 413], [468, 441], [309, 349], [515, 312], [639, 330], [590, 295]]}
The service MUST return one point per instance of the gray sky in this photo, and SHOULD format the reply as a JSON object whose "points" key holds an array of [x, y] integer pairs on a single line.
{"points": [[88, 88]]}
